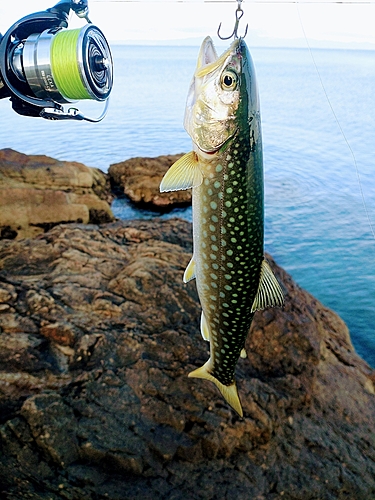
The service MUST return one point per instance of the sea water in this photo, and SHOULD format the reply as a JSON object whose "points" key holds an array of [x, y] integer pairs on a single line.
{"points": [[319, 185]]}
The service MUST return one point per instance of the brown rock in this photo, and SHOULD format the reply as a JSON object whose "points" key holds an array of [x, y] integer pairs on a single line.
{"points": [[38, 192], [95, 347], [139, 179]]}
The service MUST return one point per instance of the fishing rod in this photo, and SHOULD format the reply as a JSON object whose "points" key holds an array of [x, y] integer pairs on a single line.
{"points": [[44, 65], [276, 2]]}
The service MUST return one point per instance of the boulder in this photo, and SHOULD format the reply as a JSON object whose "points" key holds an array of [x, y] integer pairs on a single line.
{"points": [[139, 179], [98, 334], [38, 192]]}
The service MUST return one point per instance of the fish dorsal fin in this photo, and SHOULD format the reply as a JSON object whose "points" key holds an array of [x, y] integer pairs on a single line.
{"points": [[189, 273], [229, 392], [183, 174], [205, 330], [269, 292]]}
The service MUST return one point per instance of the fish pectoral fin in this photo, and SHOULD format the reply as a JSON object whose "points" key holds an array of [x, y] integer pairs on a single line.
{"points": [[269, 292], [243, 353], [205, 330], [189, 273], [183, 174], [229, 392]]}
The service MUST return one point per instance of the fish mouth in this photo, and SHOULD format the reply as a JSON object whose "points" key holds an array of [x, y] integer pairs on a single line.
{"points": [[208, 60]]}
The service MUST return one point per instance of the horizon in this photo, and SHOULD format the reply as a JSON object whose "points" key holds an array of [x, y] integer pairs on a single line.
{"points": [[196, 43]]}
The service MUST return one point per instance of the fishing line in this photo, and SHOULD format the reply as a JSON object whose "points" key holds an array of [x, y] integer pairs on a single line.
{"points": [[339, 126], [296, 2], [65, 66]]}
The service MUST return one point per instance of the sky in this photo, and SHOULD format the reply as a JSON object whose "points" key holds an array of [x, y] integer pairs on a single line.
{"points": [[346, 24]]}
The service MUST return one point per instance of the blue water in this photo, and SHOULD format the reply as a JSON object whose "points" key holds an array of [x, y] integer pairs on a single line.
{"points": [[316, 224]]}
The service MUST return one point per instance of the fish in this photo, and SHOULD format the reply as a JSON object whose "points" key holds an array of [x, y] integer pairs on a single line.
{"points": [[225, 171]]}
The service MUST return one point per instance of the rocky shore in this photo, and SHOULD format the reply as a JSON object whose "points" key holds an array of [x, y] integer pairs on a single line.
{"points": [[139, 179], [37, 192], [97, 335]]}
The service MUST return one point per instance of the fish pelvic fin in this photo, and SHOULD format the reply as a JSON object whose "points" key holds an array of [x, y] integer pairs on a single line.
{"points": [[205, 329], [183, 174], [189, 273], [269, 292], [229, 392]]}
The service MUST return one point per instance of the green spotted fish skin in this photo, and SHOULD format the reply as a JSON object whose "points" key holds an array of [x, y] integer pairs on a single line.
{"points": [[225, 171], [228, 251]]}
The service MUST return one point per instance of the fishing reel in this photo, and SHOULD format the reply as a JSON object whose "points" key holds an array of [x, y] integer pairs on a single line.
{"points": [[44, 65]]}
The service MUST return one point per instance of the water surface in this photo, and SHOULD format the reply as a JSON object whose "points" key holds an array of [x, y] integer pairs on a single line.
{"points": [[316, 223]]}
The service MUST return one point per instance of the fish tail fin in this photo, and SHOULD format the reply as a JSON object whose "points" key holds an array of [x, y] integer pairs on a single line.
{"points": [[229, 392]]}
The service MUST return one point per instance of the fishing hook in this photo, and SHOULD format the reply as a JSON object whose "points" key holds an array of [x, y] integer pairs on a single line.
{"points": [[239, 14]]}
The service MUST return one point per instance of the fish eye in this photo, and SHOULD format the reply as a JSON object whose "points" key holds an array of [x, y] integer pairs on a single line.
{"points": [[229, 80]]}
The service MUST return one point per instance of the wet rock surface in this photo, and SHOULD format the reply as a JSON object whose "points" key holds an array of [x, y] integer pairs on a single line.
{"points": [[139, 179], [37, 192], [98, 333]]}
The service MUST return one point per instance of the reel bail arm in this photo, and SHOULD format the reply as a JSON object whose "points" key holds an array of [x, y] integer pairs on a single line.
{"points": [[71, 114]]}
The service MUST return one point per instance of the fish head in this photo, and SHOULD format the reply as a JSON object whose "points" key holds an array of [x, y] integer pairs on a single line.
{"points": [[217, 103]]}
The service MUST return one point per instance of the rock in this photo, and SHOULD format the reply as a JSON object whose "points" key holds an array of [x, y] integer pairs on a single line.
{"points": [[139, 179], [98, 334], [38, 192]]}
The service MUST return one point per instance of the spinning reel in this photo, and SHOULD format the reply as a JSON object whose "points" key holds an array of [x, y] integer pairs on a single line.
{"points": [[43, 65]]}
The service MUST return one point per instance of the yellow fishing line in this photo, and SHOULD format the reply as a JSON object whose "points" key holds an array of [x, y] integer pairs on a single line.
{"points": [[65, 66]]}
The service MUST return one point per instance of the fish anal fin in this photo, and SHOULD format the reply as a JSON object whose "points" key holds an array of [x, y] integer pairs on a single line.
{"points": [[269, 292], [189, 273], [205, 329], [229, 392], [183, 174]]}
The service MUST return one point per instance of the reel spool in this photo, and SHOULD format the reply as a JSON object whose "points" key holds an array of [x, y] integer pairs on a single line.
{"points": [[45, 68]]}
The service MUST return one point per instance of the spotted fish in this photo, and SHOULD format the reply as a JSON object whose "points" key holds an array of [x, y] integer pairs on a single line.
{"points": [[225, 170]]}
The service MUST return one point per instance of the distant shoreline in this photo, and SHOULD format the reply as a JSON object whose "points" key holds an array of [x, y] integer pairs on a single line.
{"points": [[282, 44]]}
